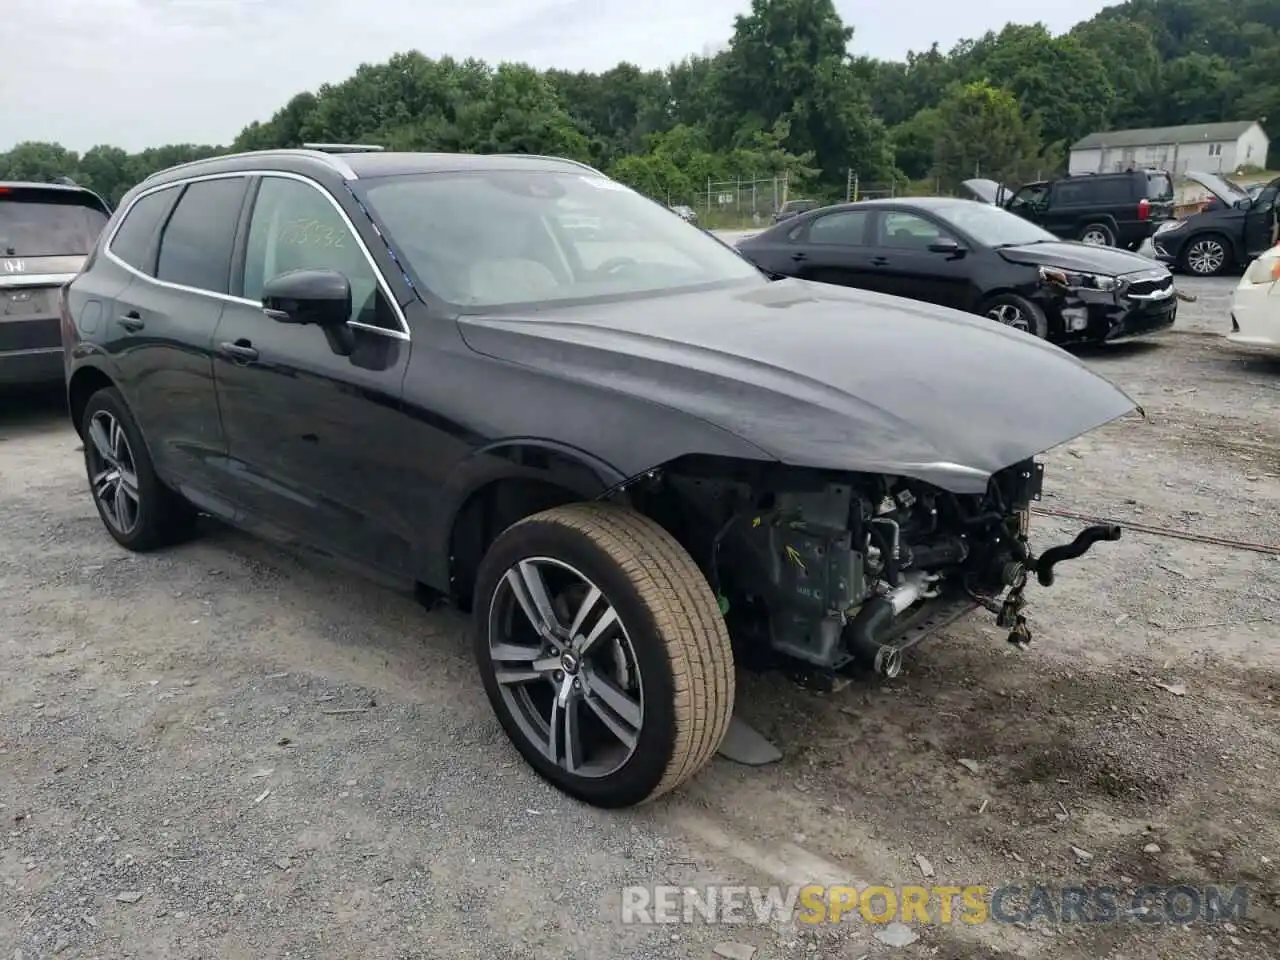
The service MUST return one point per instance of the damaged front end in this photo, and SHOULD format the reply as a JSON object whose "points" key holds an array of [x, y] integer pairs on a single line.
{"points": [[835, 570]]}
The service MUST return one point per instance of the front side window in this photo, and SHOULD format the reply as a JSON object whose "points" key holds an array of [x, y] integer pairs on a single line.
{"points": [[480, 239], [296, 227], [990, 226], [906, 231], [195, 248]]}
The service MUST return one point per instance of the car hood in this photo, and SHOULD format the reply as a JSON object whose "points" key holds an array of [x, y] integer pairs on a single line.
{"points": [[821, 376], [1080, 257], [1217, 186], [987, 191]]}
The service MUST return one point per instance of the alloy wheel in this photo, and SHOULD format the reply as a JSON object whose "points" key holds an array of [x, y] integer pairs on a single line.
{"points": [[1010, 315], [1095, 238], [113, 475], [565, 667], [1206, 257]]}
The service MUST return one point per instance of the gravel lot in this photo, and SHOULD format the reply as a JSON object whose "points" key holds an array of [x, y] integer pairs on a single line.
{"points": [[176, 779]]}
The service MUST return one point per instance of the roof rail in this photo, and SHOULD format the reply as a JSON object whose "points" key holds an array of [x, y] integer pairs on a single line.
{"points": [[335, 162], [344, 147], [538, 156]]}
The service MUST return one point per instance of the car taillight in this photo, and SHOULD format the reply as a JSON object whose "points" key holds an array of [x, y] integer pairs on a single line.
{"points": [[1144, 209]]}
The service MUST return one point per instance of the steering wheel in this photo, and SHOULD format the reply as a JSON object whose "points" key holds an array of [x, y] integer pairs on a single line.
{"points": [[614, 265]]}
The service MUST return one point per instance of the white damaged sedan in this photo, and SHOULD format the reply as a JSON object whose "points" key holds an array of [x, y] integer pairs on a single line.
{"points": [[1255, 308]]}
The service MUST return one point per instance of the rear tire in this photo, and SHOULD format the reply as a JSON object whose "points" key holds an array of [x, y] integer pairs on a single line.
{"points": [[1098, 235], [137, 509], [650, 692], [1017, 312]]}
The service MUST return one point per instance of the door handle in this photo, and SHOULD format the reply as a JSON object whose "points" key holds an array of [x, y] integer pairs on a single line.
{"points": [[241, 351], [879, 261], [798, 256], [132, 321]]}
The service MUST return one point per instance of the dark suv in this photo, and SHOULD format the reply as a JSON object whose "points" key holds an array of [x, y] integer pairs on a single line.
{"points": [[617, 449], [793, 208], [46, 230], [1107, 209]]}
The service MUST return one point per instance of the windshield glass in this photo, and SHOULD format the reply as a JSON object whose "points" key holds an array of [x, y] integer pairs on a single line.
{"points": [[992, 226], [48, 225], [482, 239]]}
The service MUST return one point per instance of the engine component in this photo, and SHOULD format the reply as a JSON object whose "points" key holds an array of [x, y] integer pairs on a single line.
{"points": [[863, 633], [1085, 539]]}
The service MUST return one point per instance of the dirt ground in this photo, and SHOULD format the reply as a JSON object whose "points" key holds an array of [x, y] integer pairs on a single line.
{"points": [[176, 779]]}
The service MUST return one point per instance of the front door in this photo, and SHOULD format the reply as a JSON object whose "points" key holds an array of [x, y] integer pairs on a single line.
{"points": [[906, 267], [315, 434], [1260, 221]]}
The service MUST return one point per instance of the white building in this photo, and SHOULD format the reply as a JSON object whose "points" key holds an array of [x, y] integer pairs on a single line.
{"points": [[1209, 147]]}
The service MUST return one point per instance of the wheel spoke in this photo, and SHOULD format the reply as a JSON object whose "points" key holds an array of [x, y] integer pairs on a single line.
{"points": [[102, 482], [129, 485], [120, 507], [516, 676], [101, 441], [618, 711], [584, 608], [572, 735], [531, 665], [531, 593], [607, 620]]}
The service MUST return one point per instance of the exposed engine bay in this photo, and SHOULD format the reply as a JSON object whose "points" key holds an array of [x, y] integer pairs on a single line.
{"points": [[837, 569]]}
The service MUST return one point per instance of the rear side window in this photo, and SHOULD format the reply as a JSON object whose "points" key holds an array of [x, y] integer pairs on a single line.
{"points": [[37, 222], [133, 239], [846, 228], [195, 248]]}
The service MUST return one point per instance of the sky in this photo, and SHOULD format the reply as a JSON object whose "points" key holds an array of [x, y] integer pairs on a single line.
{"points": [[139, 73]]}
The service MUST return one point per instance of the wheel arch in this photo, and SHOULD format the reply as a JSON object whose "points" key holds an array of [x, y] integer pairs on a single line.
{"points": [[84, 383], [1106, 219], [501, 484]]}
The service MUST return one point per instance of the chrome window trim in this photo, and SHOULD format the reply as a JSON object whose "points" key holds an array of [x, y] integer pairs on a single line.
{"points": [[336, 163], [401, 334], [19, 280]]}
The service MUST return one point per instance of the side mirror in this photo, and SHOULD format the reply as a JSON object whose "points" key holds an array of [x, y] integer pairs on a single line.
{"points": [[321, 297], [946, 245]]}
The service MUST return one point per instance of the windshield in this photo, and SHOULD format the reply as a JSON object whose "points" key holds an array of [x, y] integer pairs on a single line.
{"points": [[47, 224], [992, 226], [489, 238]]}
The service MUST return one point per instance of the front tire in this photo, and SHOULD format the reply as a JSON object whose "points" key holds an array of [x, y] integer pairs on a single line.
{"points": [[1206, 256], [603, 653], [1017, 312], [135, 506]]}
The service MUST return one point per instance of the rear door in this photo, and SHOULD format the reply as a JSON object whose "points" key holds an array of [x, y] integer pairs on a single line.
{"points": [[45, 234], [160, 328], [831, 248]]}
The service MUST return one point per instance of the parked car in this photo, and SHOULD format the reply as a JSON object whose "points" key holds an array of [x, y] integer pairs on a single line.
{"points": [[46, 229], [615, 455], [686, 213], [974, 257], [793, 208], [1104, 209], [1226, 236], [1255, 307]]}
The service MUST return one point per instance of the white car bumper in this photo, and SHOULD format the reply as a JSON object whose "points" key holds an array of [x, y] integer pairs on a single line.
{"points": [[1255, 308]]}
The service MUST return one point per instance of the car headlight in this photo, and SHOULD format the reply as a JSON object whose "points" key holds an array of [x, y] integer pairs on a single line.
{"points": [[1079, 281], [1169, 226], [1266, 269]]}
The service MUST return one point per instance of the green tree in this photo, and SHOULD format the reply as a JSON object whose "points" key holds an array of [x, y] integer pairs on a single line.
{"points": [[983, 133]]}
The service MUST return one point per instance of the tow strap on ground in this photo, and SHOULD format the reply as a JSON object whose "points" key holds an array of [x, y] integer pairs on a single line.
{"points": [[1269, 549]]}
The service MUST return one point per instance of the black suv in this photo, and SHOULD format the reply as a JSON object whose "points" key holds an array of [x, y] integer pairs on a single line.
{"points": [[1108, 209], [46, 230], [618, 448]]}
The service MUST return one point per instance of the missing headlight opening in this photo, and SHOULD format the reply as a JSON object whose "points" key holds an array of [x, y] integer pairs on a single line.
{"points": [[842, 570]]}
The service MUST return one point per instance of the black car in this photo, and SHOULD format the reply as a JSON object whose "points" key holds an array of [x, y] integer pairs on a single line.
{"points": [[1121, 209], [618, 453], [974, 257], [46, 230], [793, 208], [1228, 235]]}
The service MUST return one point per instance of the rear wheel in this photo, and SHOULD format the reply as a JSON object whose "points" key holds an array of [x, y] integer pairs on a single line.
{"points": [[1017, 312], [1206, 256], [603, 653], [137, 509], [1097, 235]]}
